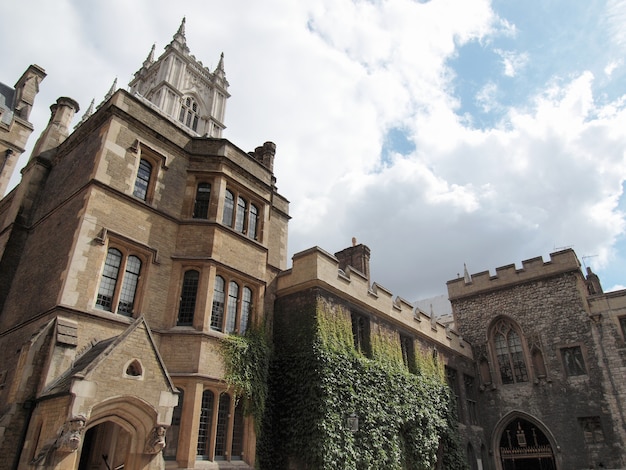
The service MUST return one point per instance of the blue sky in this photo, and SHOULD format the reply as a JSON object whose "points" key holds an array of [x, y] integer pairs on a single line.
{"points": [[438, 133]]}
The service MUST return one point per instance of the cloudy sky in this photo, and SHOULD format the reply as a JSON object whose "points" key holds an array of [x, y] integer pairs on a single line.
{"points": [[437, 132]]}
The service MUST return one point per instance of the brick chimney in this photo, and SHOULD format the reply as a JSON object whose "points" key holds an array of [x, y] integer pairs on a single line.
{"points": [[357, 257]]}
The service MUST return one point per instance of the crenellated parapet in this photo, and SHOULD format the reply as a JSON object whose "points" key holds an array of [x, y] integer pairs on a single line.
{"points": [[317, 268], [532, 269]]}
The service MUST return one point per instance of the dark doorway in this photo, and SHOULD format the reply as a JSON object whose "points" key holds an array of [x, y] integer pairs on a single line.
{"points": [[524, 447], [105, 447]]}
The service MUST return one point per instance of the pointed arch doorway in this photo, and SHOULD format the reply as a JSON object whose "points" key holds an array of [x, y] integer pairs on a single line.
{"points": [[105, 447], [524, 444]]}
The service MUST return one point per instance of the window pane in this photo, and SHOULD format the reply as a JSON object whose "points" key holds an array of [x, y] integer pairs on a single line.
{"points": [[204, 431], [573, 361], [129, 286], [217, 314], [142, 180], [109, 279], [241, 214], [253, 221], [222, 426], [229, 206], [201, 206], [233, 295], [517, 357], [502, 352], [188, 294], [237, 447], [246, 308]]}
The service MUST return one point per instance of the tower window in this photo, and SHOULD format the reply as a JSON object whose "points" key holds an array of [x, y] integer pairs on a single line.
{"points": [[118, 283], [244, 217], [187, 306], [231, 313], [509, 352], [189, 113]]}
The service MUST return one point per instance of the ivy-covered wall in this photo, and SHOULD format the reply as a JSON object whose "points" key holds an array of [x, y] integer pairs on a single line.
{"points": [[317, 380]]}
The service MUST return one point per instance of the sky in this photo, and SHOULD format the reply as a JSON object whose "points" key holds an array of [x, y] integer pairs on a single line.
{"points": [[439, 133]]}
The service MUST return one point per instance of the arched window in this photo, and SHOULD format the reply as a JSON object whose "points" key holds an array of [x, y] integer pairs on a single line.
{"points": [[189, 113], [223, 414], [201, 204], [187, 305], [237, 445], [509, 352], [241, 214], [231, 316], [253, 221], [111, 290], [204, 430], [229, 208], [246, 309], [143, 179], [217, 314]]}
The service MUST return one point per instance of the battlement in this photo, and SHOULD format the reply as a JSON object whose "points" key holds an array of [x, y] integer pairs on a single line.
{"points": [[317, 268], [507, 276]]}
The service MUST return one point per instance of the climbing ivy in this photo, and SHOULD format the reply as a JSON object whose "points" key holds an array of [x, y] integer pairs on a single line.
{"points": [[317, 380], [246, 360]]}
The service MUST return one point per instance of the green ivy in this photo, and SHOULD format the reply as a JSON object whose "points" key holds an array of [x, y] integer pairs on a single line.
{"points": [[317, 380], [246, 360]]}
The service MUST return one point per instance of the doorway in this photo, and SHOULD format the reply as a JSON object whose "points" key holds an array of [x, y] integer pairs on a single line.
{"points": [[105, 447], [523, 446]]}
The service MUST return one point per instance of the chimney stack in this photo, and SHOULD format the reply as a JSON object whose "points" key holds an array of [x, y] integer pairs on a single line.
{"points": [[58, 127], [357, 257]]}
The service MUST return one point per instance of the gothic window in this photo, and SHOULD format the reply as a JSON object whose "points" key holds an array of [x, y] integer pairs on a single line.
{"points": [[229, 208], [189, 113], [470, 398], [201, 204], [253, 221], [221, 434], [242, 216], [217, 314], [408, 352], [238, 426], [592, 429], [232, 308], [241, 213], [118, 283], [142, 181], [453, 383], [188, 294], [246, 309], [573, 361], [509, 352], [361, 334], [204, 429]]}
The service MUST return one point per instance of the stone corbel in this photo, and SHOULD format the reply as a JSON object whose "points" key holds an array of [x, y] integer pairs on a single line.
{"points": [[156, 440]]}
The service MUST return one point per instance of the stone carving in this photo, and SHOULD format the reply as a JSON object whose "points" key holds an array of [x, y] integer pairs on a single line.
{"points": [[71, 434], [156, 440]]}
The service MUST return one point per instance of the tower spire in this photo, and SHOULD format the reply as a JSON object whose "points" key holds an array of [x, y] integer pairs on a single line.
{"points": [[466, 275], [179, 41], [88, 113], [150, 59]]}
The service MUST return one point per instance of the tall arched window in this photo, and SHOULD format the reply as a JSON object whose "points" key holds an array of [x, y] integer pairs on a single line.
{"points": [[229, 208], [246, 309], [509, 352], [241, 214], [115, 294], [204, 430], [253, 221], [143, 179], [189, 113], [201, 204], [231, 316], [217, 313], [221, 434], [187, 305]]}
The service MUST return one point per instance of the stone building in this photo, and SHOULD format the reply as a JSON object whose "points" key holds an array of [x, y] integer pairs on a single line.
{"points": [[15, 128], [138, 242], [130, 248], [550, 351]]}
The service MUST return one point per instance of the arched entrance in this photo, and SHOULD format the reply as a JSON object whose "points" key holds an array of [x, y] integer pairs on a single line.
{"points": [[105, 447], [524, 444]]}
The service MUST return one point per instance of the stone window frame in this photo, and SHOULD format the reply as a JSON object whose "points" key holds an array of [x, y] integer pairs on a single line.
{"points": [[157, 162], [583, 354], [241, 219], [493, 329], [205, 205], [227, 309], [361, 333], [184, 294], [592, 429], [127, 249], [189, 114], [221, 424]]}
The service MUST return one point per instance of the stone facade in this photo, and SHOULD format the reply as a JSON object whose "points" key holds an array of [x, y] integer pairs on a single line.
{"points": [[549, 349]]}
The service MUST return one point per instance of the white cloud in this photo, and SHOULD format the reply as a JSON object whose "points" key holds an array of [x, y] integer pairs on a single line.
{"points": [[512, 61]]}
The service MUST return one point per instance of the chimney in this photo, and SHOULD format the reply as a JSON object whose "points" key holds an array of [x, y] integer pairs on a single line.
{"points": [[593, 283], [357, 257], [58, 127]]}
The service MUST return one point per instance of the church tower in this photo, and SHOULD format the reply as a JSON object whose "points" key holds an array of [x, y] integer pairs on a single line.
{"points": [[183, 89]]}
